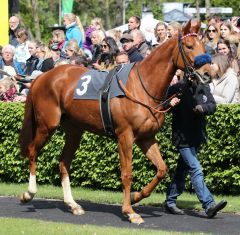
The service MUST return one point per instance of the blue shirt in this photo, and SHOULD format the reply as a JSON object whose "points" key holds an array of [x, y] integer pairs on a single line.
{"points": [[73, 32]]}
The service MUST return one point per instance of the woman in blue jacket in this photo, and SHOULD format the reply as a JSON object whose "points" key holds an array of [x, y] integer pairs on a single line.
{"points": [[74, 29]]}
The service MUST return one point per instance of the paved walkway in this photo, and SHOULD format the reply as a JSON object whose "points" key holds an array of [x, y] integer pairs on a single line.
{"points": [[110, 215]]}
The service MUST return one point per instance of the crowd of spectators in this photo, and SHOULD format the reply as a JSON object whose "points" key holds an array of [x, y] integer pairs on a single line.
{"points": [[24, 58]]}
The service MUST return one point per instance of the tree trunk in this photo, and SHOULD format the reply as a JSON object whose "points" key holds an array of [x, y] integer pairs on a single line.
{"points": [[108, 25], [207, 6], [197, 10], [119, 13], [36, 19]]}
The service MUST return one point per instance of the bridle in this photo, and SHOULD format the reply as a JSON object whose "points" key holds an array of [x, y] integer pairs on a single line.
{"points": [[188, 72], [188, 66]]}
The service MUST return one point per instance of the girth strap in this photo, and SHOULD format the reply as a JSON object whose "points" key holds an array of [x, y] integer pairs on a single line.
{"points": [[104, 103]]}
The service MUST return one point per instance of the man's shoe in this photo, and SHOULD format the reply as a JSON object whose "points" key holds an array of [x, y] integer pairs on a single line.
{"points": [[174, 210], [213, 210]]}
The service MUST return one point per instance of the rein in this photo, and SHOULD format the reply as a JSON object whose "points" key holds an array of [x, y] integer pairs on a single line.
{"points": [[140, 78], [131, 97], [187, 73]]}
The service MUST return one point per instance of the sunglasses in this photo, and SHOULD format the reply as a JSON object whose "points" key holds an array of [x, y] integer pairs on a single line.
{"points": [[211, 30], [104, 46]]}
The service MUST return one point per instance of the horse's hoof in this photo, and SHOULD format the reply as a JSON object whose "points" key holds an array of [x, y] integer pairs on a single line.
{"points": [[78, 211], [26, 197], [135, 218]]}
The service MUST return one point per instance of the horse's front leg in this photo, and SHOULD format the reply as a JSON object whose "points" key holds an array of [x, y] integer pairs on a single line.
{"points": [[151, 149], [125, 143]]}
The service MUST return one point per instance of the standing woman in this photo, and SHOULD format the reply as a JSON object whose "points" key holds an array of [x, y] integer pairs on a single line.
{"points": [[46, 61], [72, 50], [97, 36], [74, 29], [161, 33], [96, 24], [225, 86], [22, 53], [224, 47], [211, 38], [225, 29], [227, 33]]}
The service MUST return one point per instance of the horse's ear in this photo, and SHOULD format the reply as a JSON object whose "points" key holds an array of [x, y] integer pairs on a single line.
{"points": [[192, 26], [186, 28], [195, 26]]}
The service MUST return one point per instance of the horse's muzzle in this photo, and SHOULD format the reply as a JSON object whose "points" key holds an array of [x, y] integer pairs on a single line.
{"points": [[204, 79]]}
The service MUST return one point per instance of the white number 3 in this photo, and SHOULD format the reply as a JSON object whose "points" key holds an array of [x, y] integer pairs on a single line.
{"points": [[84, 85]]}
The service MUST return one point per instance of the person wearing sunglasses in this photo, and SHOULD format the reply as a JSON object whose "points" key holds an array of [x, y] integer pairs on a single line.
{"points": [[211, 38], [109, 50]]}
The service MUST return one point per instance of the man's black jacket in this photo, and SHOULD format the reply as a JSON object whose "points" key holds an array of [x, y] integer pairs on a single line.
{"points": [[189, 126]]}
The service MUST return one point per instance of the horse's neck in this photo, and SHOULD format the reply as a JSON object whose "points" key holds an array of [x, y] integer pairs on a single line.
{"points": [[158, 68]]}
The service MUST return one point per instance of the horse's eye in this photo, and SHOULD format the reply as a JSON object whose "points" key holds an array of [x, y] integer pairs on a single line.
{"points": [[190, 47]]}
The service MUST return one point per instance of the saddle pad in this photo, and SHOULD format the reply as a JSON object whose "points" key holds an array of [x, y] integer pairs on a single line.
{"points": [[90, 83]]}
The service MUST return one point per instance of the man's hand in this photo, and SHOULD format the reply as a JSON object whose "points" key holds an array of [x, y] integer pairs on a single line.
{"points": [[174, 101], [198, 109]]}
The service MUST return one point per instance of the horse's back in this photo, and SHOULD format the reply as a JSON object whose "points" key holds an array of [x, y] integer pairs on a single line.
{"points": [[54, 91]]}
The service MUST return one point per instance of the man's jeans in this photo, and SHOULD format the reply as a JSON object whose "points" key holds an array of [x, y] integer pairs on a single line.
{"points": [[189, 163]]}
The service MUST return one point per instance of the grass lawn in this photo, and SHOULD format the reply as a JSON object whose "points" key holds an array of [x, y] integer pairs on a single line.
{"points": [[11, 226]]}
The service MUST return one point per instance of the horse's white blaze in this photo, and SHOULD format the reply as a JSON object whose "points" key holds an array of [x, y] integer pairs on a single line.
{"points": [[32, 187]]}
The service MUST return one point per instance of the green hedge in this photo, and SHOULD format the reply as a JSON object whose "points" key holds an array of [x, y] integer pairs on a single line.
{"points": [[96, 163]]}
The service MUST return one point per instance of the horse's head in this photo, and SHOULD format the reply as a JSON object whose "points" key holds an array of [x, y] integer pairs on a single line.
{"points": [[191, 48]]}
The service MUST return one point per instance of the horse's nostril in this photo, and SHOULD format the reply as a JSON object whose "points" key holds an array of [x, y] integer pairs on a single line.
{"points": [[207, 77]]}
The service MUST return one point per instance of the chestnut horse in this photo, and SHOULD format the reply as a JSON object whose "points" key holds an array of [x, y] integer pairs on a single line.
{"points": [[137, 116]]}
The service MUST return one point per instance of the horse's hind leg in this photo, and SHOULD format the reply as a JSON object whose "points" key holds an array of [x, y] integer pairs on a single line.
{"points": [[72, 140], [151, 150], [46, 123], [34, 148]]}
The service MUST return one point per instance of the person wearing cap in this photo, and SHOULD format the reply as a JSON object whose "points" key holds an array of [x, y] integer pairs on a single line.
{"points": [[129, 47], [188, 133]]}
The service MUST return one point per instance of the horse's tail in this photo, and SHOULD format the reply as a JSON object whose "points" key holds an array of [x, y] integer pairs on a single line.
{"points": [[28, 128]]}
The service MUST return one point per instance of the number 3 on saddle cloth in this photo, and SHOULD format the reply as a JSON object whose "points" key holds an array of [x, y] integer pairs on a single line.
{"points": [[102, 86]]}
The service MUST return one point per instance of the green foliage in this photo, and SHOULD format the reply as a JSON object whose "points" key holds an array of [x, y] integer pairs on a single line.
{"points": [[110, 11], [96, 162]]}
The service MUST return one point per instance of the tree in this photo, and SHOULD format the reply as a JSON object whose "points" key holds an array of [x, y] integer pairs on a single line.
{"points": [[36, 19]]}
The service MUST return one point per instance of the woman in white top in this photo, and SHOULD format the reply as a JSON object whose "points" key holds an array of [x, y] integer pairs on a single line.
{"points": [[22, 53], [225, 86]]}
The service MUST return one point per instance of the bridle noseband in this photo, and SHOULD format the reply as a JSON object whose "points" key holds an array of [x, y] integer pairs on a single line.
{"points": [[188, 70]]}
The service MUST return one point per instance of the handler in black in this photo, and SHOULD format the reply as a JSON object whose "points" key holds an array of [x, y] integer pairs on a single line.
{"points": [[188, 133]]}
